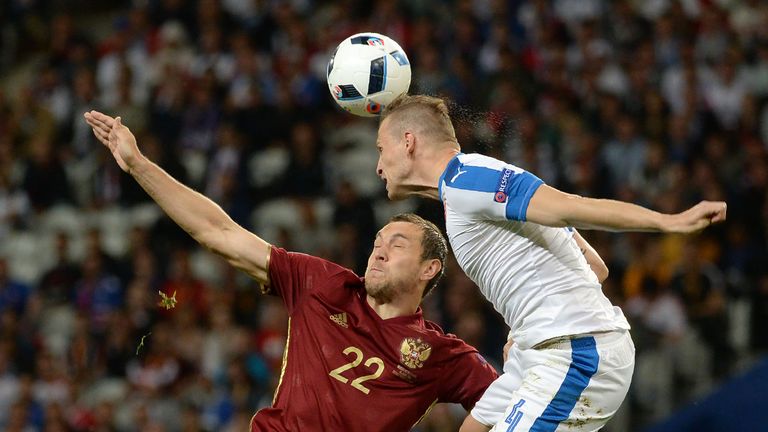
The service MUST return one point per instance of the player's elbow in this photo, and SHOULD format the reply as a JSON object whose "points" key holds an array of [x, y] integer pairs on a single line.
{"points": [[216, 238]]}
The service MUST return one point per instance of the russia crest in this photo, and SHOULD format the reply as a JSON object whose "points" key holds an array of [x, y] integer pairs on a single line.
{"points": [[414, 352]]}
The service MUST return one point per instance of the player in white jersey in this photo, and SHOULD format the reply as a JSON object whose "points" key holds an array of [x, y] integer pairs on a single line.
{"points": [[573, 358]]}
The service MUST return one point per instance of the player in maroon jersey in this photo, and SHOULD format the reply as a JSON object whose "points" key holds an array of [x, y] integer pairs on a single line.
{"points": [[359, 355]]}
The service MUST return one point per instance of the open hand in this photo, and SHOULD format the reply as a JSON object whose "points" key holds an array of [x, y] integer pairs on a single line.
{"points": [[116, 137]]}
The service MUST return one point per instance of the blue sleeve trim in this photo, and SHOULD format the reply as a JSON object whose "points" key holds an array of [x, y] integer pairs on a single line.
{"points": [[520, 192]]}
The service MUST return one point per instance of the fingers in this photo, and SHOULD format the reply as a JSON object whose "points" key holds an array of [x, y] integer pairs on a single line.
{"points": [[117, 124], [97, 118], [700, 216], [711, 211], [100, 117], [718, 213], [101, 136], [96, 125], [100, 130], [721, 214]]}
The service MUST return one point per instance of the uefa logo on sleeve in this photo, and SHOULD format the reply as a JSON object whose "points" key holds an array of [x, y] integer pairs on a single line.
{"points": [[501, 195]]}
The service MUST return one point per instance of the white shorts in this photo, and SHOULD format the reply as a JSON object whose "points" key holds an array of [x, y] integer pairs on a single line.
{"points": [[566, 382]]}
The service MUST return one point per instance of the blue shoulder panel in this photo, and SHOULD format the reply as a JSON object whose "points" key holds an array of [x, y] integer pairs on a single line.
{"points": [[474, 178]]}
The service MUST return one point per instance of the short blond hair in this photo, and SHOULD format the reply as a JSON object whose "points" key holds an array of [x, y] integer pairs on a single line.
{"points": [[425, 114]]}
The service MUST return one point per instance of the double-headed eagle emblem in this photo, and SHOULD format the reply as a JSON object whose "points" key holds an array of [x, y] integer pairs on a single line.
{"points": [[414, 352]]}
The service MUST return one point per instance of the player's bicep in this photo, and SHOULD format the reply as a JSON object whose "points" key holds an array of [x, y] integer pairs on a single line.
{"points": [[247, 252], [551, 207]]}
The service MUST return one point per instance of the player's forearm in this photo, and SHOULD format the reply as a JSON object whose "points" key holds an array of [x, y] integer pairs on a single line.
{"points": [[203, 219], [614, 215], [551, 207]]}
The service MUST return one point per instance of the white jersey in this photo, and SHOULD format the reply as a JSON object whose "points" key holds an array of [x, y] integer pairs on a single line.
{"points": [[534, 275]]}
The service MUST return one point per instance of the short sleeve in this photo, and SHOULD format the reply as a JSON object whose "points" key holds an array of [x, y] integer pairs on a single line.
{"points": [[467, 380], [500, 193]]}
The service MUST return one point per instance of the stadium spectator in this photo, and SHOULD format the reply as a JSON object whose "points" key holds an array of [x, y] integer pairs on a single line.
{"points": [[14, 295]]}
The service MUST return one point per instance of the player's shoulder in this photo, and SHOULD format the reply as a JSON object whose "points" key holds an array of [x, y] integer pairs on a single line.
{"points": [[309, 264], [438, 337], [312, 269], [479, 160], [433, 328], [484, 161]]}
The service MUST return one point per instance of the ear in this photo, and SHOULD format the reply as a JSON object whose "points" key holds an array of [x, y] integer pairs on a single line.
{"points": [[410, 142], [430, 269]]}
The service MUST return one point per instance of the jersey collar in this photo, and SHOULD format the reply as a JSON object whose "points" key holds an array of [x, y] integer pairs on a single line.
{"points": [[450, 167]]}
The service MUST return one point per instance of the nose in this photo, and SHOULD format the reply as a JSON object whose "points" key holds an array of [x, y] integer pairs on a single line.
{"points": [[379, 254], [379, 170]]}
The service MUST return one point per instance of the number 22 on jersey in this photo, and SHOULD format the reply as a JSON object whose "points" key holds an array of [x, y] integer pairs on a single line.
{"points": [[370, 363]]}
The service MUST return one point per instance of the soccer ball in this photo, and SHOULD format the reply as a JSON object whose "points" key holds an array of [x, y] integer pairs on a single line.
{"points": [[366, 72]]}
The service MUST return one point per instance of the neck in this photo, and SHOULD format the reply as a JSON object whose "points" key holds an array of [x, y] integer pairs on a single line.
{"points": [[405, 305], [431, 166]]}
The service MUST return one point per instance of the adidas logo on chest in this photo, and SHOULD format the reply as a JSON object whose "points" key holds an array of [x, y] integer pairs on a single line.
{"points": [[340, 319]]}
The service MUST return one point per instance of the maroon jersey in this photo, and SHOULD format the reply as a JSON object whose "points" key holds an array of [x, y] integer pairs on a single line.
{"points": [[347, 369]]}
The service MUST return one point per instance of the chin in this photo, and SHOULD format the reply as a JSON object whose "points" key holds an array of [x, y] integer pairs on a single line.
{"points": [[379, 292], [382, 297]]}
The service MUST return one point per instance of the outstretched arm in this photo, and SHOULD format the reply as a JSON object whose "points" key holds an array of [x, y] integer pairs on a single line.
{"points": [[551, 207], [205, 221]]}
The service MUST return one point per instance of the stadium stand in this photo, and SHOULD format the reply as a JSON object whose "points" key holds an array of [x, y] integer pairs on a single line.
{"points": [[661, 103]]}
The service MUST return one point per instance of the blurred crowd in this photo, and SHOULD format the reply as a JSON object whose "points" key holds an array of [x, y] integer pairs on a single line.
{"points": [[662, 103]]}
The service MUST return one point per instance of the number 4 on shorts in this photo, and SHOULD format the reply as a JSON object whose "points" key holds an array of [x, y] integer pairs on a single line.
{"points": [[514, 417]]}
